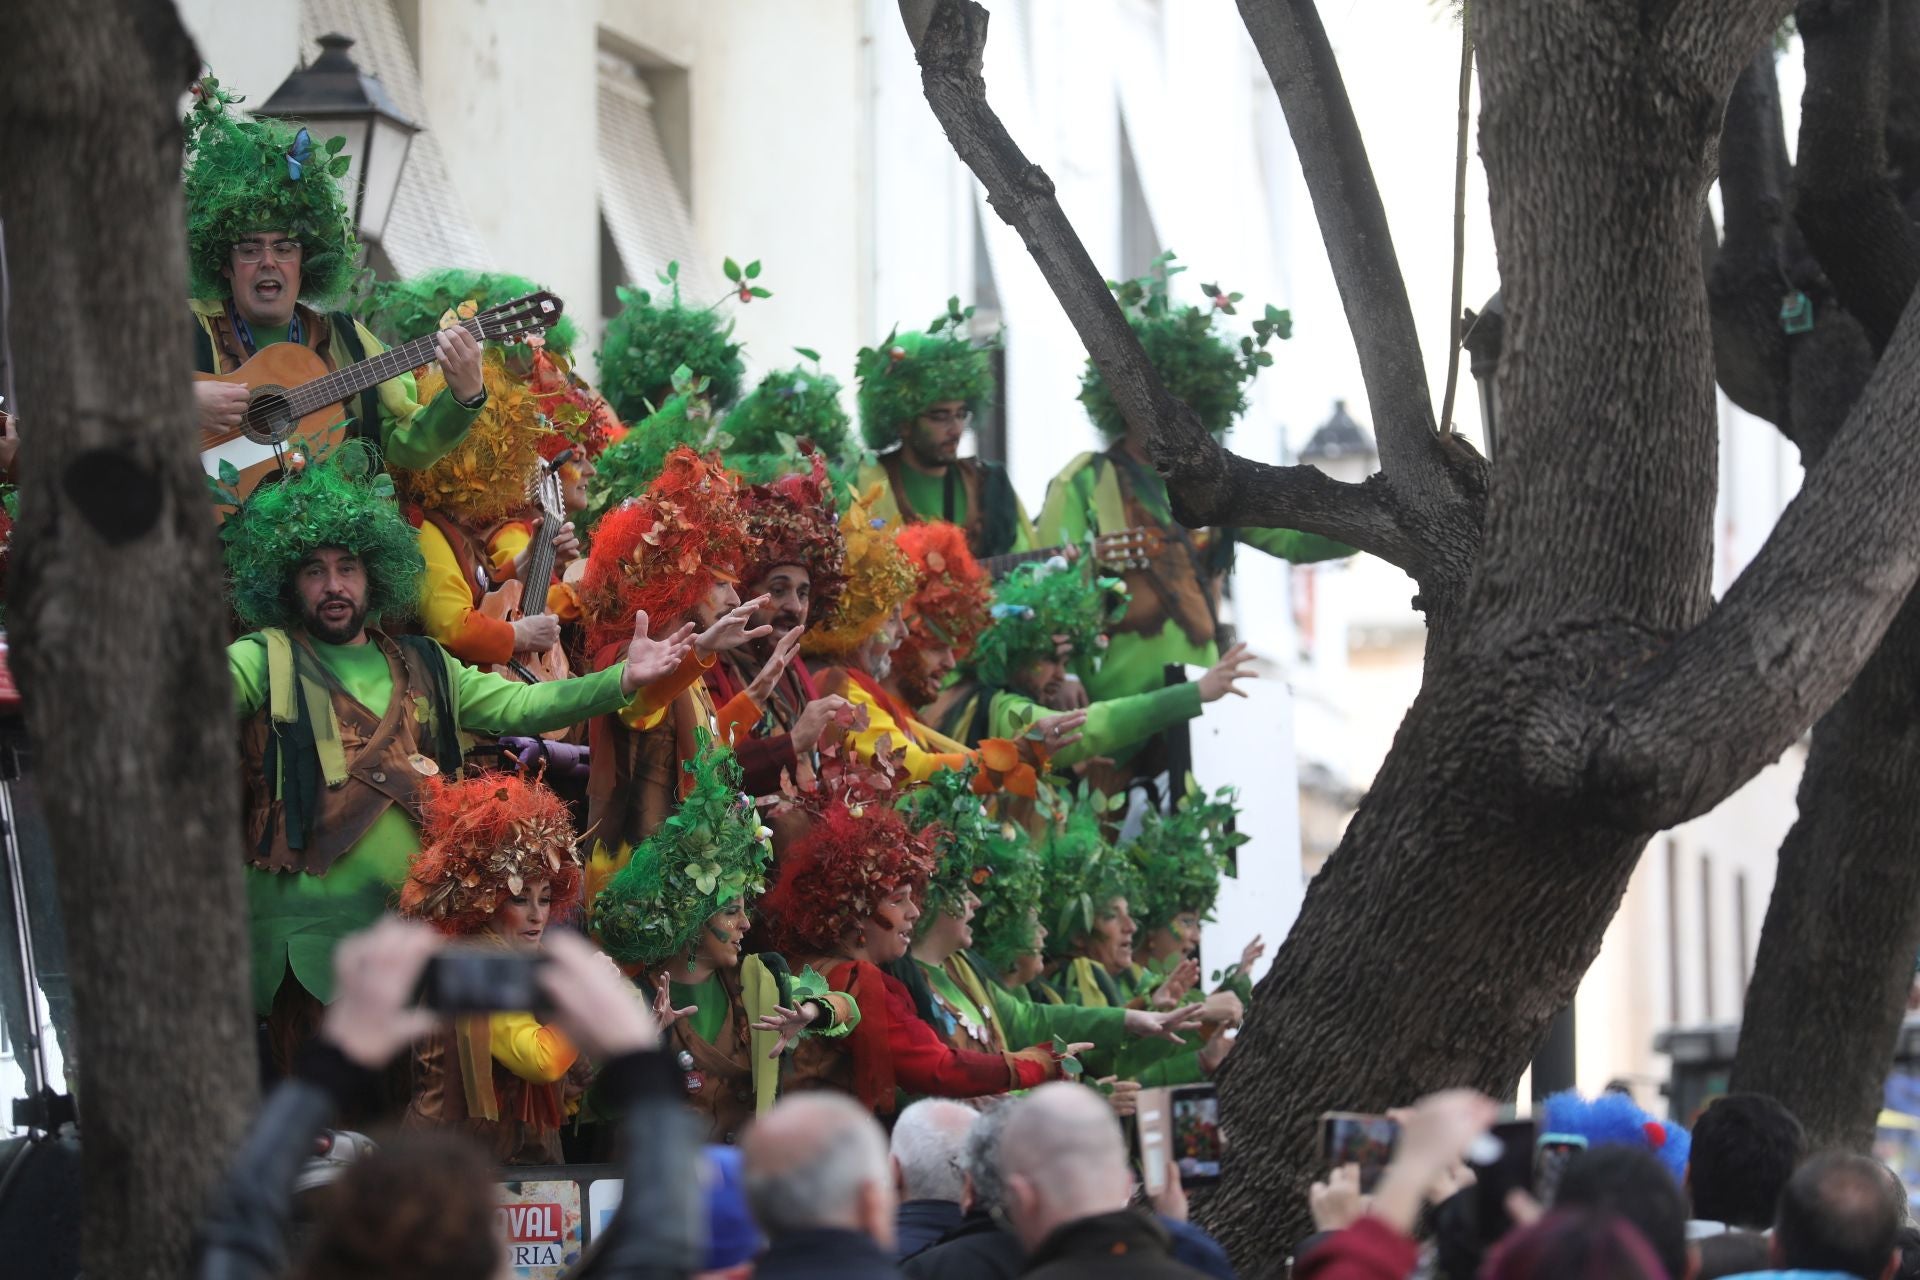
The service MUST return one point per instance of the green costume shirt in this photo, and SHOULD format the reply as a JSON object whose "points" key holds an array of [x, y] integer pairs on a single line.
{"points": [[298, 919], [1152, 1062], [1113, 724], [1135, 663], [709, 1000]]}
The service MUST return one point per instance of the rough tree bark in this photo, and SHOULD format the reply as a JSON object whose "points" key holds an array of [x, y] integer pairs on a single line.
{"points": [[117, 633], [1581, 692], [1835, 959]]}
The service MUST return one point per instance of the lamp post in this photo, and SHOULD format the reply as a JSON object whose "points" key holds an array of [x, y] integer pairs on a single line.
{"points": [[332, 96], [1484, 336], [1342, 447]]}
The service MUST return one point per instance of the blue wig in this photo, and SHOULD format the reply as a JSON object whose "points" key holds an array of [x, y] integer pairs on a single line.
{"points": [[1614, 1119]]}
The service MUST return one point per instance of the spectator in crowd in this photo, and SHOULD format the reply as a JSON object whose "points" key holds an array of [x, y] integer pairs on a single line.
{"points": [[733, 1242], [1745, 1147], [1378, 1245], [817, 1182], [925, 1152], [1632, 1183], [1590, 1244], [418, 1211], [1909, 1254], [980, 1247], [1836, 1216], [1064, 1164]]}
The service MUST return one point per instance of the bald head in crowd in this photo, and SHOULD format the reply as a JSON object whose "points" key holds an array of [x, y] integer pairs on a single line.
{"points": [[819, 1160], [1062, 1158], [1838, 1213]]}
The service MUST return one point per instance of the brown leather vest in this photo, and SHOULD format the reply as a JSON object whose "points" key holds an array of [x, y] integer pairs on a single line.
{"points": [[384, 764], [634, 775], [719, 1076], [440, 1101], [469, 552]]}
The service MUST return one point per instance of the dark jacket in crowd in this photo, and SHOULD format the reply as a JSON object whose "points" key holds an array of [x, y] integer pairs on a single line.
{"points": [[978, 1249], [825, 1253], [1193, 1247], [1109, 1246], [920, 1223], [245, 1235], [1731, 1254]]}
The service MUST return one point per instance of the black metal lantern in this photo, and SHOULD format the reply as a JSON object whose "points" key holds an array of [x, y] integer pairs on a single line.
{"points": [[1342, 447], [333, 97]]}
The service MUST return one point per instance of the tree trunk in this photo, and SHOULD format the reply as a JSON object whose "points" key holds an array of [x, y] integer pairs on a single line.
{"points": [[1830, 982], [1836, 953], [118, 632]]}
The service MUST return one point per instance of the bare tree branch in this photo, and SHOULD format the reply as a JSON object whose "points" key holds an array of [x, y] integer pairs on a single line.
{"points": [[1209, 485], [1293, 45], [1713, 39], [1713, 708], [1844, 204]]}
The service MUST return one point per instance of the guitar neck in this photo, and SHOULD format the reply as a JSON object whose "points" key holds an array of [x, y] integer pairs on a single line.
{"points": [[997, 566], [540, 560], [341, 384]]}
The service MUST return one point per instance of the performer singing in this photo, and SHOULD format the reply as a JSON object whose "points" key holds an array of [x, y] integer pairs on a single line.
{"points": [[341, 721], [269, 239], [919, 391]]}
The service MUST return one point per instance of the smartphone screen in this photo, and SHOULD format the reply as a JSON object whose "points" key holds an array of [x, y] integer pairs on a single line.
{"points": [[1550, 1161], [1508, 1168], [1195, 1121], [1351, 1137]]}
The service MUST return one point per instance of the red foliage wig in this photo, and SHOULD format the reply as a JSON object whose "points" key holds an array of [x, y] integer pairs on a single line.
{"points": [[794, 522], [852, 851], [664, 550], [952, 602], [482, 840]]}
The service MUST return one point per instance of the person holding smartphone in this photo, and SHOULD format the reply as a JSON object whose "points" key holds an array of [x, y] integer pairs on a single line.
{"points": [[496, 863]]}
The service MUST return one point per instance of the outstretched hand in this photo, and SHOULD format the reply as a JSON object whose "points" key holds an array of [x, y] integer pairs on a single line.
{"points": [[663, 1011], [649, 660], [1219, 681], [777, 663], [1166, 1025], [787, 1024], [1057, 731], [731, 629], [1171, 992]]}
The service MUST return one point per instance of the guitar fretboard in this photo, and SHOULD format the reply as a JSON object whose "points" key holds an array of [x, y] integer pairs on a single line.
{"points": [[337, 386], [996, 566]]}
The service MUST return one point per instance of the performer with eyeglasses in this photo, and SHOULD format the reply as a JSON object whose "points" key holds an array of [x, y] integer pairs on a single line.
{"points": [[919, 391], [269, 242]]}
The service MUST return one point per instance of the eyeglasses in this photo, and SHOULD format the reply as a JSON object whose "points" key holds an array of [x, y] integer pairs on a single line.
{"points": [[949, 417], [254, 251]]}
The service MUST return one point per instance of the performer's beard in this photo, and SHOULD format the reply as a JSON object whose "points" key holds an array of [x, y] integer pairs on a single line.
{"points": [[918, 685], [334, 632]]}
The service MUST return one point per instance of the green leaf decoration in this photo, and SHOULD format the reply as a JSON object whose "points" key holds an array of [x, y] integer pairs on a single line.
{"points": [[731, 270], [229, 474], [338, 166], [758, 292], [334, 144], [673, 270], [809, 353], [810, 985], [753, 269]]}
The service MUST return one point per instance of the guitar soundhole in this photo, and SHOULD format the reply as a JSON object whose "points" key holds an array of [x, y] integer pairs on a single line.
{"points": [[270, 419]]}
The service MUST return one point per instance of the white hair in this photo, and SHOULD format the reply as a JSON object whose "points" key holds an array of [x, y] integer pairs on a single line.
{"points": [[928, 1140]]}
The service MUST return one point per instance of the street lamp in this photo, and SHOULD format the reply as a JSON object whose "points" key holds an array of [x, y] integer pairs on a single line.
{"points": [[1483, 336], [1342, 448], [334, 97]]}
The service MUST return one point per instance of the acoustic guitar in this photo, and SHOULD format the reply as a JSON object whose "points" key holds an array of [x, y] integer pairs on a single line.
{"points": [[1131, 548], [296, 398], [506, 601]]}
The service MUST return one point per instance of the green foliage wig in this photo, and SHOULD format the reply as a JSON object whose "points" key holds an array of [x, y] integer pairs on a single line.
{"points": [[401, 310], [1181, 856], [1032, 605], [910, 372], [712, 852], [788, 407], [646, 342], [1199, 366], [631, 464], [330, 503], [948, 802], [1084, 873], [1004, 925], [247, 176]]}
